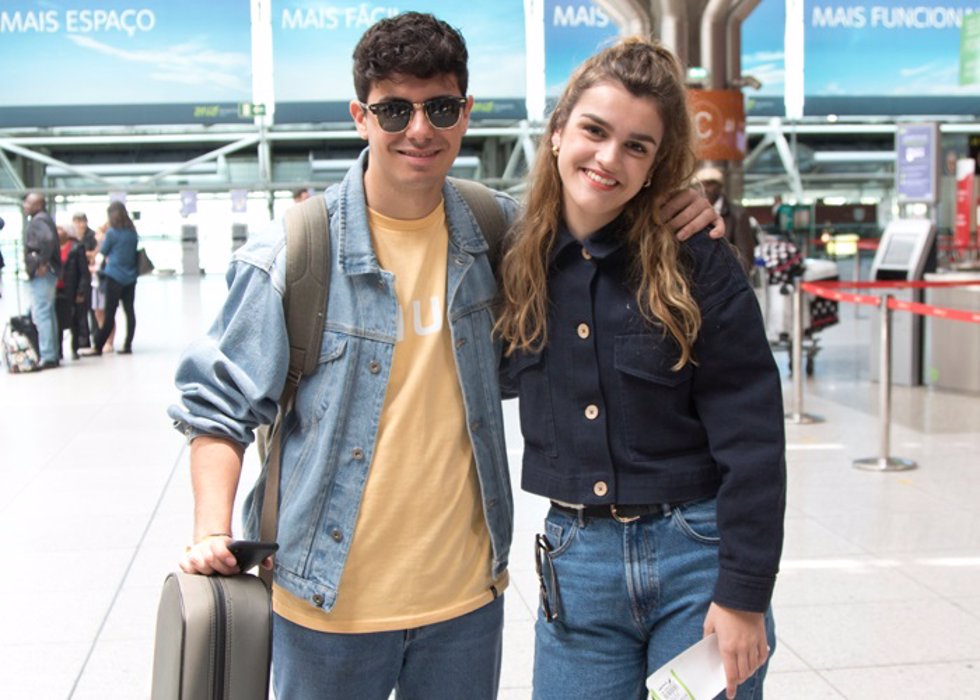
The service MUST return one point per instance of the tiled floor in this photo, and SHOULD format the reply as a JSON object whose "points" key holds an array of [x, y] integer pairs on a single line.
{"points": [[879, 594]]}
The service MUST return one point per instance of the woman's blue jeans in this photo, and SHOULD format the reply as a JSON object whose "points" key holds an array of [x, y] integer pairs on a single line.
{"points": [[459, 658], [632, 596]]}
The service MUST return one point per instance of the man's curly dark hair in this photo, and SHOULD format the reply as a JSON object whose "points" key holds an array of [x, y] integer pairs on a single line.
{"points": [[411, 43]]}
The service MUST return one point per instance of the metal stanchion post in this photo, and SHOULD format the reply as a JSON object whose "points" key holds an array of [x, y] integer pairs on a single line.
{"points": [[884, 463], [797, 415]]}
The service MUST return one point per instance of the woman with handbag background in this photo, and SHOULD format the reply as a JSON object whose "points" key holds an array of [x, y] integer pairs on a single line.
{"points": [[120, 274]]}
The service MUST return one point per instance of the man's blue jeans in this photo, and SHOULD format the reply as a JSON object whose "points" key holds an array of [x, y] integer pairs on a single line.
{"points": [[42, 313], [459, 658], [632, 596]]}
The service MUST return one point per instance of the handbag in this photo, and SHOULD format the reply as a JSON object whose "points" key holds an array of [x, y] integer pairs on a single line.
{"points": [[144, 265], [214, 633]]}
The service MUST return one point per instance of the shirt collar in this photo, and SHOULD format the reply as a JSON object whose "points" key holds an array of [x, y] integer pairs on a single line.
{"points": [[601, 244]]}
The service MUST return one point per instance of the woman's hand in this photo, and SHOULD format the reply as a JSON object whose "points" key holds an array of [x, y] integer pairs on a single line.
{"points": [[742, 641]]}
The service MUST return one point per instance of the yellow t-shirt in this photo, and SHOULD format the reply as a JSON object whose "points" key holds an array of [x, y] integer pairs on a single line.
{"points": [[421, 549]]}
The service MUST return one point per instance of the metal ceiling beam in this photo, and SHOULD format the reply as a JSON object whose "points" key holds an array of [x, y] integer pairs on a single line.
{"points": [[48, 160]]}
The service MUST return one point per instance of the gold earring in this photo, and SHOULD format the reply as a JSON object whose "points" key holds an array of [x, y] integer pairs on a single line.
{"points": [[554, 150]]}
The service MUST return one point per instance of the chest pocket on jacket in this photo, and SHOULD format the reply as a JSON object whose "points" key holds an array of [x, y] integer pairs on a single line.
{"points": [[655, 399], [529, 375], [326, 384]]}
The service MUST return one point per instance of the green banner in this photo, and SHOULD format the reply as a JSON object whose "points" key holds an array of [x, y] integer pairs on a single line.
{"points": [[970, 49]]}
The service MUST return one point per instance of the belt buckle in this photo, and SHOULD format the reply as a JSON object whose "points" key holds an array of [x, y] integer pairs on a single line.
{"points": [[622, 519]]}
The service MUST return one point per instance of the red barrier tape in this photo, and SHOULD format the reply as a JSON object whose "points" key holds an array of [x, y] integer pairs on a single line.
{"points": [[937, 311], [828, 290]]}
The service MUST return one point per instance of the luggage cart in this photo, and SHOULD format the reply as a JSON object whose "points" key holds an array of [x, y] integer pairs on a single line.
{"points": [[783, 263]]}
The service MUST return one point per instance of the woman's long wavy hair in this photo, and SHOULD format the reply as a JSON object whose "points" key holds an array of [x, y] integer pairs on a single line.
{"points": [[663, 292], [119, 217]]}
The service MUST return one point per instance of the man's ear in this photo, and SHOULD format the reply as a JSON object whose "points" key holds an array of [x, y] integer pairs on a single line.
{"points": [[359, 115], [467, 108]]}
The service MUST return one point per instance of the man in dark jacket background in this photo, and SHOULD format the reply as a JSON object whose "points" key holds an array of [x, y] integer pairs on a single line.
{"points": [[42, 259], [738, 228]]}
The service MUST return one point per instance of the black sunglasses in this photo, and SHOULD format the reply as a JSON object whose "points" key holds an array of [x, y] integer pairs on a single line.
{"points": [[394, 116], [549, 595]]}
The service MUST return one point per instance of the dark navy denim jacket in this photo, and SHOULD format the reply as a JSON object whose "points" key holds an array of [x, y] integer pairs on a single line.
{"points": [[606, 420]]}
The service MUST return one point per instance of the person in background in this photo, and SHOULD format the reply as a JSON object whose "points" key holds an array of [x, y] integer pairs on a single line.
{"points": [[77, 281], [301, 194], [42, 260], [96, 267], [395, 516], [83, 232], [649, 399], [62, 303], [119, 251], [738, 227]]}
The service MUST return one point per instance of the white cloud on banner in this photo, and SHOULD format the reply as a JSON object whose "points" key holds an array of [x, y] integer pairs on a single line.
{"points": [[190, 63]]}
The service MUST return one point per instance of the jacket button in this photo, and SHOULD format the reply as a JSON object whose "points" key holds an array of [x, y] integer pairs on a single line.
{"points": [[461, 342], [586, 254], [583, 331], [476, 424], [357, 453], [600, 488], [374, 367], [337, 535], [318, 599], [591, 411]]}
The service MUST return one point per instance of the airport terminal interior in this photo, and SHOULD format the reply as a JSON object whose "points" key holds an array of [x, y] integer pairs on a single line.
{"points": [[870, 177]]}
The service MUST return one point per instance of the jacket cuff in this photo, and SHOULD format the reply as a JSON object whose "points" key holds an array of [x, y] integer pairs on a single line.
{"points": [[742, 592]]}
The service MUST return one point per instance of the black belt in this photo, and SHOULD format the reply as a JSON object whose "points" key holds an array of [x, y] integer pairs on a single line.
{"points": [[623, 514]]}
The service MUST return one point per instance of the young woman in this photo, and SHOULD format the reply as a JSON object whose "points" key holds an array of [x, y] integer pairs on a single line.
{"points": [[119, 250], [650, 402]]}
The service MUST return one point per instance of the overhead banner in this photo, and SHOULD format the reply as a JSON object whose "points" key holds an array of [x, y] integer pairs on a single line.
{"points": [[764, 59], [113, 62], [313, 40], [573, 31], [868, 57]]}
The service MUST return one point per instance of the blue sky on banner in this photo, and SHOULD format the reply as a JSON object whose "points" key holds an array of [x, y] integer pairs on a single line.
{"points": [[885, 48], [762, 47], [313, 41], [573, 31], [119, 52]]}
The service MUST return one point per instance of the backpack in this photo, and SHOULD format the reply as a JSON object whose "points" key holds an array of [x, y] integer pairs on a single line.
{"points": [[305, 307]]}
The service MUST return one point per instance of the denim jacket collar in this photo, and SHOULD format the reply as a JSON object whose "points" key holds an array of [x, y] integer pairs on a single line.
{"points": [[356, 254]]}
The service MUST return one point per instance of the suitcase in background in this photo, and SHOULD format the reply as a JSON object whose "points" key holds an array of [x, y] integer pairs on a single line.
{"points": [[20, 345], [213, 638]]}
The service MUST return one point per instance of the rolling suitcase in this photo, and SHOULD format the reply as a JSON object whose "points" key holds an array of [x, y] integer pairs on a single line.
{"points": [[213, 638]]}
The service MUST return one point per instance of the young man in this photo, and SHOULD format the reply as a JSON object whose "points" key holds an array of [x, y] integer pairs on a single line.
{"points": [[395, 511]]}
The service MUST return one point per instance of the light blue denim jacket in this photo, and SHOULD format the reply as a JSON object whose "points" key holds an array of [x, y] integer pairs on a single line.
{"points": [[231, 379]]}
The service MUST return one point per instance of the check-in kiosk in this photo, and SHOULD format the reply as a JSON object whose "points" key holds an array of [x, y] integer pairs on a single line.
{"points": [[191, 257], [906, 251], [239, 234]]}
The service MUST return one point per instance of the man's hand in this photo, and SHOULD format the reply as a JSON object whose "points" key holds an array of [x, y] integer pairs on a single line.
{"points": [[742, 641], [687, 212], [210, 556]]}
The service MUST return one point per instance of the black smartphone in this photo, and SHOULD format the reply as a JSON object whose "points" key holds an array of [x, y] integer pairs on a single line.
{"points": [[250, 553]]}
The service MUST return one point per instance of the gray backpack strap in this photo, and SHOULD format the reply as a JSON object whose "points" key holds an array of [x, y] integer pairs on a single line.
{"points": [[305, 308], [307, 281], [489, 216]]}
